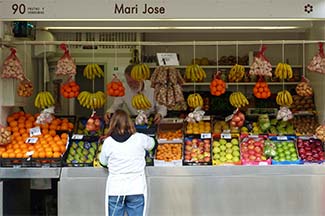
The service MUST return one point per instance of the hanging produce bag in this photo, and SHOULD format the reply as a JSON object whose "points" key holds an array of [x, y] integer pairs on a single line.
{"points": [[65, 65], [261, 66], [317, 64], [115, 88], [217, 85], [25, 88], [5, 136], [70, 89], [261, 89], [12, 67], [320, 132], [304, 88]]}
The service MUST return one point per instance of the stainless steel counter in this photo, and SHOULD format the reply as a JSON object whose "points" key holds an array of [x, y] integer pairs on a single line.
{"points": [[29, 173], [224, 190]]}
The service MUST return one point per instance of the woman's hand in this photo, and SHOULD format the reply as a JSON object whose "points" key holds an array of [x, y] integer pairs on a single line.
{"points": [[107, 116]]}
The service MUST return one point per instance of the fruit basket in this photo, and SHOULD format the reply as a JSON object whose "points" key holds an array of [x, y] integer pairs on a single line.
{"points": [[310, 150], [225, 150], [81, 127], [71, 120], [81, 152], [252, 151], [169, 155], [197, 150], [285, 150], [198, 128]]}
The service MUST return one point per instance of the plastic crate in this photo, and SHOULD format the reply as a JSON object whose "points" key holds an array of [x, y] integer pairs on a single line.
{"points": [[218, 159], [277, 140], [243, 152], [85, 144], [172, 163], [197, 151], [16, 162], [310, 139]]}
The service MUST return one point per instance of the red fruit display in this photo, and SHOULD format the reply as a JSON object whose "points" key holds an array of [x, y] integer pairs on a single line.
{"points": [[237, 120], [310, 150], [252, 152], [197, 150]]}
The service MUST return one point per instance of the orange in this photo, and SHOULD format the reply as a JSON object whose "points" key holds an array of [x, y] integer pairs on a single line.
{"points": [[56, 138], [19, 155], [35, 154], [41, 154], [5, 155], [62, 148], [13, 124], [48, 149], [70, 126], [64, 136], [11, 155], [56, 148], [14, 129], [49, 154], [17, 151], [56, 154], [52, 133], [16, 146]]}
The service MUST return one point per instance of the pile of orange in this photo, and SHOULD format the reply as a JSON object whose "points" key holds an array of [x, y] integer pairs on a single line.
{"points": [[47, 146], [49, 143], [169, 152], [261, 90], [170, 135], [115, 89], [70, 89]]}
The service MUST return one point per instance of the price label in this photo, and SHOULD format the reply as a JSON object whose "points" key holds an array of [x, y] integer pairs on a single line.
{"points": [[226, 135], [206, 136], [36, 131], [77, 136], [206, 118], [282, 138], [228, 118], [31, 140], [263, 163], [167, 59]]}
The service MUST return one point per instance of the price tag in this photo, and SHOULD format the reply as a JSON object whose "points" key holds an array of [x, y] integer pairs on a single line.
{"points": [[77, 136], [282, 138], [206, 118], [263, 163], [228, 118], [167, 59], [36, 131], [31, 140], [206, 136], [226, 135]]}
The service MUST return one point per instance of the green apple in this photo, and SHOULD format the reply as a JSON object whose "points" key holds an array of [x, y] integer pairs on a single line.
{"points": [[291, 145], [279, 149], [223, 148], [222, 142], [282, 159], [281, 155], [229, 161], [276, 158], [235, 159], [222, 154], [292, 149], [287, 152], [223, 159], [215, 144], [228, 145], [216, 150], [234, 141], [236, 154], [229, 151], [216, 156], [229, 156], [235, 148]]}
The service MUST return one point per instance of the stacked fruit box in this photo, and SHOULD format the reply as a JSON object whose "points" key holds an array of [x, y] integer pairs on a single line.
{"points": [[252, 151], [310, 150], [284, 150], [225, 150], [81, 151], [197, 143], [170, 144]]}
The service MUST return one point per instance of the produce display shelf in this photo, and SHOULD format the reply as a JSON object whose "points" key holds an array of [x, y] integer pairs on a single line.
{"points": [[221, 66], [239, 83]]}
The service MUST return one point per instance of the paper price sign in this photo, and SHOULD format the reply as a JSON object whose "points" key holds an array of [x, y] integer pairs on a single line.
{"points": [[282, 138], [31, 140], [36, 131], [167, 59], [206, 136], [228, 118], [226, 135], [77, 136]]}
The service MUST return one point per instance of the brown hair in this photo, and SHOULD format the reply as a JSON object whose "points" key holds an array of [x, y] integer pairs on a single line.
{"points": [[121, 123], [128, 69]]}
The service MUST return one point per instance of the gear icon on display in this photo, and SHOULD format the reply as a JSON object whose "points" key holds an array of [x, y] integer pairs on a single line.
{"points": [[308, 8]]}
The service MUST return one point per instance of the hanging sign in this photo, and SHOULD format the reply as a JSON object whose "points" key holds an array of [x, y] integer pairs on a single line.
{"points": [[159, 9]]}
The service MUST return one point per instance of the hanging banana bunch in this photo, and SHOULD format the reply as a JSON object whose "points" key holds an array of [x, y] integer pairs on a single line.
{"points": [[141, 102], [195, 100], [284, 98], [91, 71], [195, 73], [283, 71], [238, 100], [44, 99], [140, 72], [92, 100]]}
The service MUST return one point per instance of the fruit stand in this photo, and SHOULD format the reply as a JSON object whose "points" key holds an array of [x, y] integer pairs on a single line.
{"points": [[243, 84]]}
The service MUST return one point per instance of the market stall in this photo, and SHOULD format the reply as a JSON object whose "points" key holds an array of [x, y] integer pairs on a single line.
{"points": [[243, 85]]}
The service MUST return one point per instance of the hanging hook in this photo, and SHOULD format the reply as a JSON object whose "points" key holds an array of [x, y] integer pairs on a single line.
{"points": [[237, 52], [217, 54], [283, 61]]}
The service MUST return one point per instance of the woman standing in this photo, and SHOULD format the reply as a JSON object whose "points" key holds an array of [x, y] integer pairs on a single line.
{"points": [[124, 154]]}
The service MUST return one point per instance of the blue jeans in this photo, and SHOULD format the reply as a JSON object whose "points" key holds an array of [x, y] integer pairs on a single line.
{"points": [[133, 205]]}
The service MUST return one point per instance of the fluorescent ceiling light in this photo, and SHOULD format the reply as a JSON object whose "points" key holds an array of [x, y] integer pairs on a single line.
{"points": [[176, 28], [171, 19]]}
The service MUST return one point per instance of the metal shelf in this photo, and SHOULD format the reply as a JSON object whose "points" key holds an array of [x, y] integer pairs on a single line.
{"points": [[240, 83], [220, 66]]}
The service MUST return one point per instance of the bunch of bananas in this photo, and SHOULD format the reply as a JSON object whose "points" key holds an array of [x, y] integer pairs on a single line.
{"points": [[238, 99], [283, 71], [92, 100], [195, 100], [92, 71], [195, 73], [236, 74], [44, 99], [284, 98], [140, 72], [140, 102]]}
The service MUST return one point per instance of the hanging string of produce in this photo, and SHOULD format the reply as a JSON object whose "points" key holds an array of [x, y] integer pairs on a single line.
{"points": [[115, 88], [261, 89], [44, 99], [92, 100], [238, 99], [317, 64], [217, 85], [140, 71], [261, 66], [25, 86], [12, 67], [65, 65]]}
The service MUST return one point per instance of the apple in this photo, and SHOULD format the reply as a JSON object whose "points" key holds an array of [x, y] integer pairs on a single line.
{"points": [[187, 157], [188, 142], [188, 148], [206, 159], [258, 149], [195, 141], [252, 158], [251, 146]]}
